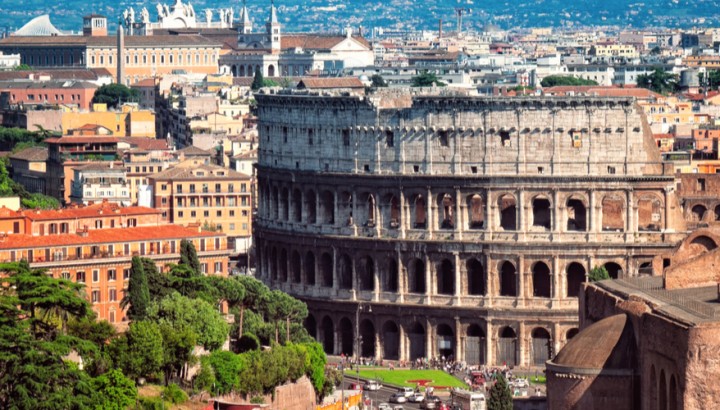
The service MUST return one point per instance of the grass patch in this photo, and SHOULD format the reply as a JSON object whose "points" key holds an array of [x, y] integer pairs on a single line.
{"points": [[533, 379], [401, 377]]}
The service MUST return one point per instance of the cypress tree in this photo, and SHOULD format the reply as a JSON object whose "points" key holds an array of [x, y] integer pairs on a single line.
{"points": [[500, 395], [138, 294], [258, 80], [188, 256]]}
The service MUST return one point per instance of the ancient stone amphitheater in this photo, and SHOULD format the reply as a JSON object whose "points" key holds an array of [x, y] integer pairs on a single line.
{"points": [[464, 227]]}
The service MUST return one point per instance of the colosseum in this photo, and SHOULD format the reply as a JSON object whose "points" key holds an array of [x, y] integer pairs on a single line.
{"points": [[418, 225]]}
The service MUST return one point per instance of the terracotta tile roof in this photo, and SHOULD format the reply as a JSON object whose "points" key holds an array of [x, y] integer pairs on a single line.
{"points": [[37, 85], [7, 213], [243, 81], [87, 212], [330, 82], [193, 151], [82, 139], [32, 154], [97, 236], [146, 143], [111, 41], [187, 170], [316, 42], [663, 136], [148, 82], [56, 74]]}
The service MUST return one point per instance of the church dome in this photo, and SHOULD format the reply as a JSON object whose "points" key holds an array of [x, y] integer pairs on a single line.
{"points": [[39, 26]]}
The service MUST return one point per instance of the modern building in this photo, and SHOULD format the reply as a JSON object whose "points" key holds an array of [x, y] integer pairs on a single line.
{"points": [[97, 182], [454, 226]]}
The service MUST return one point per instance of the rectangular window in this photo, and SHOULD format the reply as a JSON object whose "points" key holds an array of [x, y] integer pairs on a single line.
{"points": [[232, 212], [218, 267], [203, 267], [126, 274], [218, 214], [96, 275], [126, 249], [112, 275], [95, 296], [112, 296], [232, 227], [217, 188], [178, 188], [80, 277], [206, 214], [346, 137]]}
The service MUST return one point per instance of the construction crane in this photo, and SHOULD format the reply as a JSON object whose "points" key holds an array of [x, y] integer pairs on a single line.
{"points": [[460, 12]]}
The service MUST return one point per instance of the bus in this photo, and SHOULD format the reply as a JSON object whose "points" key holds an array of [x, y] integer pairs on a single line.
{"points": [[467, 400]]}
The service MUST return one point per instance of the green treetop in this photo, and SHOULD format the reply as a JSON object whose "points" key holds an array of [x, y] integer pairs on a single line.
{"points": [[138, 294], [500, 395]]}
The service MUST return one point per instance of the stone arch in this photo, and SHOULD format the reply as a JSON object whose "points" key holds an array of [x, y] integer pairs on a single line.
{"points": [[673, 394], [327, 208], [310, 207], [241, 72], [541, 213], [508, 279], [613, 213], [698, 212], [475, 345], [416, 336], [311, 326], [394, 212], [445, 278], [571, 333], [391, 275], [702, 244], [326, 270], [345, 268], [475, 277], [541, 280], [295, 264], [345, 331], [507, 204], [614, 270], [365, 271], [285, 199], [650, 210], [446, 210], [419, 211], [445, 341], [391, 340], [310, 268], [297, 205], [367, 338], [662, 391], [575, 278], [271, 70], [541, 346], [327, 333], [416, 276], [507, 346], [282, 265], [234, 70], [370, 210], [576, 215], [476, 211]]}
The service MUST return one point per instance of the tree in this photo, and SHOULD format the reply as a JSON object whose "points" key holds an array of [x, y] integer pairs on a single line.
{"points": [[659, 81], [188, 256], [426, 79], [40, 201], [158, 283], [377, 81], [598, 273], [139, 353], [113, 391], [257, 80], [500, 395], [253, 293], [22, 67], [114, 95], [556, 80], [138, 294], [226, 368]]}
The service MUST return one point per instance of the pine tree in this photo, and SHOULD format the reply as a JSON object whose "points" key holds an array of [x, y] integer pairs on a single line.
{"points": [[138, 294], [258, 80], [500, 395], [188, 256]]}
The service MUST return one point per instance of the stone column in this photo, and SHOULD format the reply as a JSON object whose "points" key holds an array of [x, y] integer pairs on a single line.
{"points": [[429, 339], [355, 285], [353, 216], [404, 214], [631, 220], [522, 346], [459, 225], [490, 275], [556, 339], [402, 278], [335, 208], [558, 214], [666, 218], [318, 216], [402, 348], [557, 292], [376, 280], [429, 288], [489, 343], [458, 280], [336, 276], [521, 292], [521, 214], [489, 212], [430, 210], [591, 213], [459, 348]]}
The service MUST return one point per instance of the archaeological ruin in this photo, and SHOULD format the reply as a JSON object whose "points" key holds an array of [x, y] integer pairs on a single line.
{"points": [[455, 226]]}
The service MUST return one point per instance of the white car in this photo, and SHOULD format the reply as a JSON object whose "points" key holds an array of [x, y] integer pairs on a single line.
{"points": [[372, 385], [398, 398], [384, 406], [406, 391], [521, 383], [416, 398]]}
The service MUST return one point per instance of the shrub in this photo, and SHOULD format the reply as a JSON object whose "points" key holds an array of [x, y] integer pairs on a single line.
{"points": [[257, 400], [598, 273], [248, 342], [174, 394]]}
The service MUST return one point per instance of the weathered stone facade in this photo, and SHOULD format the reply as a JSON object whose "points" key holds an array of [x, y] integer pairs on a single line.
{"points": [[456, 226]]}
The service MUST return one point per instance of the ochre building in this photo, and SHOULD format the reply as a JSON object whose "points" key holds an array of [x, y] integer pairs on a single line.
{"points": [[455, 226]]}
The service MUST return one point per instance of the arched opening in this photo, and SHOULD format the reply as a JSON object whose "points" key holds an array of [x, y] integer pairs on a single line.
{"points": [[576, 215], [575, 279], [475, 277], [475, 346], [698, 213], [508, 279], [370, 211], [391, 341], [366, 273], [541, 213], [717, 213], [662, 391], [345, 329], [274, 274], [541, 345], [367, 338], [295, 264], [241, 73], [282, 266], [311, 326], [297, 205], [613, 218], [700, 245], [234, 70], [613, 269], [394, 221], [508, 212], [326, 269], [345, 208], [345, 270], [327, 331], [274, 204], [507, 351], [653, 388], [327, 208], [416, 336], [541, 280], [285, 198], [311, 207], [571, 333], [420, 213], [673, 394], [445, 278], [271, 70], [476, 212], [391, 276], [446, 204], [445, 341], [416, 282], [649, 214], [310, 269], [645, 269]]}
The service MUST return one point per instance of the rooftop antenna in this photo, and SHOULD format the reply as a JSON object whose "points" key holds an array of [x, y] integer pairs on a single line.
{"points": [[460, 12]]}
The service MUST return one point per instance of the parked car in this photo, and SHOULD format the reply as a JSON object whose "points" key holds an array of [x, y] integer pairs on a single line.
{"points": [[416, 398], [356, 386], [406, 391], [372, 385], [398, 398], [431, 402], [384, 406], [398, 408], [521, 383]]}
